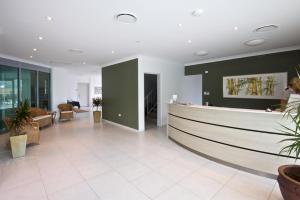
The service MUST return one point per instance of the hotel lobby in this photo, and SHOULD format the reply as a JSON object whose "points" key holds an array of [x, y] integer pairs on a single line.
{"points": [[149, 100]]}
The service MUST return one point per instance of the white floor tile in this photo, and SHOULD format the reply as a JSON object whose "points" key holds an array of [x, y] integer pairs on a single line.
{"points": [[153, 184], [276, 194], [230, 194], [61, 178], [177, 193], [218, 172], [112, 186], [80, 191], [204, 187], [133, 170], [30, 191], [175, 171], [255, 186]]}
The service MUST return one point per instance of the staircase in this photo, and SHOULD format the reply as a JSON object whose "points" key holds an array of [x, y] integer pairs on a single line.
{"points": [[151, 104]]}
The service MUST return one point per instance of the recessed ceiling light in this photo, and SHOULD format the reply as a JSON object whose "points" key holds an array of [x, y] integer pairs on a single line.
{"points": [[34, 49], [41, 38], [49, 18], [59, 63], [189, 41], [31, 56], [270, 27], [180, 25], [126, 18], [197, 13], [84, 63], [75, 50], [235, 28], [255, 42], [201, 53], [112, 52]]}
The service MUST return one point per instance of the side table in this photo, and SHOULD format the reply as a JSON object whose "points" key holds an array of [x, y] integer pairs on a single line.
{"points": [[53, 115]]}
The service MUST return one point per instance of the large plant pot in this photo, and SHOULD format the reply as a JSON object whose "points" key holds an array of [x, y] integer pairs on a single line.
{"points": [[97, 116], [289, 181], [18, 145]]}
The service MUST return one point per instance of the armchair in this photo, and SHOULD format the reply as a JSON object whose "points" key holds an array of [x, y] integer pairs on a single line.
{"points": [[65, 111]]}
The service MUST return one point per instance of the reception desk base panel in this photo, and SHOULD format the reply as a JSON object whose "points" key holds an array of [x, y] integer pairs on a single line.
{"points": [[252, 151]]}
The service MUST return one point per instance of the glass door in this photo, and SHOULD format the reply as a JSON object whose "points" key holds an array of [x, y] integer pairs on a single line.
{"points": [[8, 93], [29, 86], [44, 90]]}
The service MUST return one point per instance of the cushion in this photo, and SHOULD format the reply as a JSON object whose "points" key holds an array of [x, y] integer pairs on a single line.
{"points": [[41, 117], [66, 112]]}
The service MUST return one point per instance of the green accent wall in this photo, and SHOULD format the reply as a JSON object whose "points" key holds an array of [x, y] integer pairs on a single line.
{"points": [[213, 81], [120, 93]]}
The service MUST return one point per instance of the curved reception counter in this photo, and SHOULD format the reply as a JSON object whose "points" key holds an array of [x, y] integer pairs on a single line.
{"points": [[241, 138]]}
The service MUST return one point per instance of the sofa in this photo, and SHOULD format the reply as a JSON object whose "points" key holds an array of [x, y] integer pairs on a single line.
{"points": [[41, 116], [31, 129]]}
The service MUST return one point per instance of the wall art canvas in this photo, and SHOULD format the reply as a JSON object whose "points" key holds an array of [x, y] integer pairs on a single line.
{"points": [[98, 90], [256, 86]]}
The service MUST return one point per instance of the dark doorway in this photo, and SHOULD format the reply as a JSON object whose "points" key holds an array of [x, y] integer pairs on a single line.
{"points": [[150, 99]]}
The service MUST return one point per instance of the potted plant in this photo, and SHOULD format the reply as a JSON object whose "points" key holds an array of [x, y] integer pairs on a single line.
{"points": [[289, 175], [97, 102], [18, 137]]}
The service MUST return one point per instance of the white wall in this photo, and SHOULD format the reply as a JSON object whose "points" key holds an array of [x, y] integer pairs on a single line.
{"points": [[64, 85], [192, 89], [95, 81], [170, 77]]}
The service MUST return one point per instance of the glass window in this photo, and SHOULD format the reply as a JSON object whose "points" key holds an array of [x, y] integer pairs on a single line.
{"points": [[29, 86], [44, 90], [8, 93]]}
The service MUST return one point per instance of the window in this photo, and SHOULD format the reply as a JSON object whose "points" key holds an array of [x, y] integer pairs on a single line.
{"points": [[28, 85], [44, 90], [8, 93]]}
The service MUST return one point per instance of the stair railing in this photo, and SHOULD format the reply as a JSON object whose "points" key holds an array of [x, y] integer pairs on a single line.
{"points": [[150, 102]]}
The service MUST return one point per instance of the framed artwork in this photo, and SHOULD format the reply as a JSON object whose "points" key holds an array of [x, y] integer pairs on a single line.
{"points": [[98, 90], [255, 86]]}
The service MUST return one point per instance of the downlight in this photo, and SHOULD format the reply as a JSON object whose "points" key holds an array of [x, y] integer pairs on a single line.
{"points": [[255, 42], [266, 28], [201, 53], [126, 18]]}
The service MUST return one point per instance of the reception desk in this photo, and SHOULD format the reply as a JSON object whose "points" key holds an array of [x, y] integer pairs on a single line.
{"points": [[241, 138]]}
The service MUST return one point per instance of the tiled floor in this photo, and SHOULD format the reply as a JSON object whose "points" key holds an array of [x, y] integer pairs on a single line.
{"points": [[80, 160]]}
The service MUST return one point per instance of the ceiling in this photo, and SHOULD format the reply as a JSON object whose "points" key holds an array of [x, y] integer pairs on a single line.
{"points": [[90, 25]]}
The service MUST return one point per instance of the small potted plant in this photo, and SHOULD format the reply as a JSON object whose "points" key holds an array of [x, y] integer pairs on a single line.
{"points": [[289, 175], [18, 137], [97, 102]]}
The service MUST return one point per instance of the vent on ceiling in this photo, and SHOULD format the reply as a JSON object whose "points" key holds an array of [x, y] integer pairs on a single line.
{"points": [[255, 42], [270, 27], [76, 50], [59, 63], [126, 18]]}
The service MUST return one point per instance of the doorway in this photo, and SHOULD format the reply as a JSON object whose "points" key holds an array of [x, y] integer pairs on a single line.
{"points": [[83, 94], [150, 100]]}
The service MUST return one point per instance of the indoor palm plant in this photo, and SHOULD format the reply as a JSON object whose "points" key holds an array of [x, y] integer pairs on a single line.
{"points": [[17, 125], [289, 175], [97, 102]]}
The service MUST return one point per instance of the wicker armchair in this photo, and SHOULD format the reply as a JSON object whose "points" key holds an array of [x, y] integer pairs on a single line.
{"points": [[65, 111], [31, 129], [41, 116]]}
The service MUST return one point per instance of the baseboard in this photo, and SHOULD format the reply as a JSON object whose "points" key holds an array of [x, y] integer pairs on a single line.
{"points": [[120, 125]]}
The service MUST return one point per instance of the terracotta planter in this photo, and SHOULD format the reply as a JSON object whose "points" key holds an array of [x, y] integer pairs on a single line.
{"points": [[97, 116], [18, 145], [289, 181]]}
